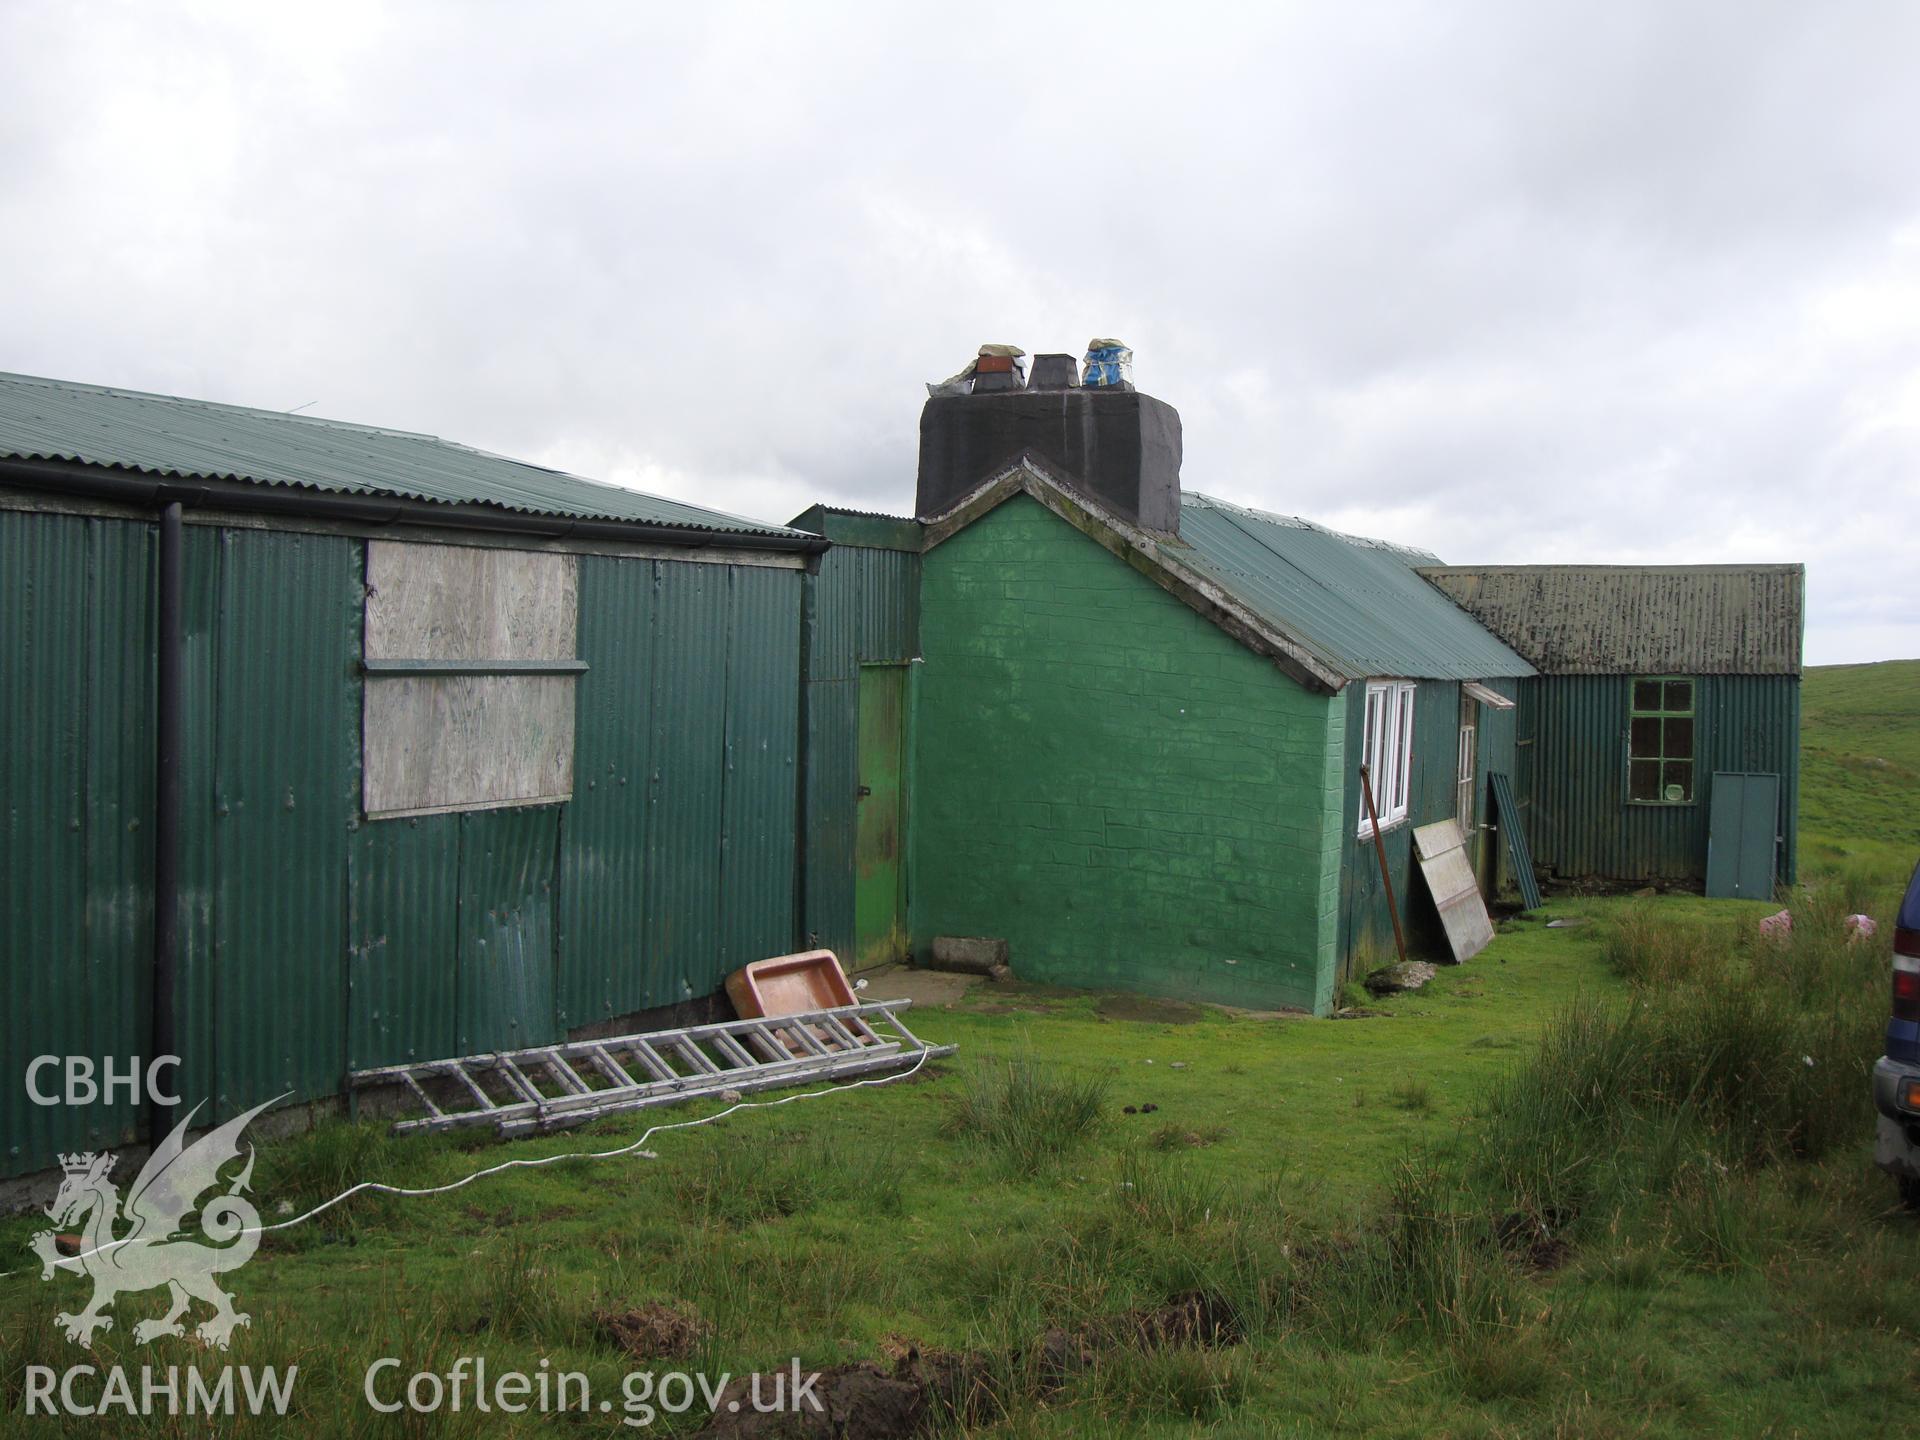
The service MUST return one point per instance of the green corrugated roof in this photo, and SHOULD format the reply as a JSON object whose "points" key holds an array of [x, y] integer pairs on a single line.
{"points": [[1358, 606], [859, 527], [166, 435]]}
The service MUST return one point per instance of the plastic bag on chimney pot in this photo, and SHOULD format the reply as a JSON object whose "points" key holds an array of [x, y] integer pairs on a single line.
{"points": [[962, 382], [1109, 364], [959, 383]]}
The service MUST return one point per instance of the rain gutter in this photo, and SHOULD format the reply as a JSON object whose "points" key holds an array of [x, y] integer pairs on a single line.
{"points": [[155, 491]]}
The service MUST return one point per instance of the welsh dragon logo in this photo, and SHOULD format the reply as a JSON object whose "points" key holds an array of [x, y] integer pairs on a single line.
{"points": [[158, 1247]]}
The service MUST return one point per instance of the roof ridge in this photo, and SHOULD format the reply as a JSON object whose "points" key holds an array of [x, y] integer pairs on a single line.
{"points": [[1677, 568], [195, 402], [1300, 522], [1294, 522]]}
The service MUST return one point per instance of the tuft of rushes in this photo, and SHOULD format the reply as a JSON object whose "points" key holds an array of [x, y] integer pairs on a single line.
{"points": [[1731, 1049], [1026, 1113]]}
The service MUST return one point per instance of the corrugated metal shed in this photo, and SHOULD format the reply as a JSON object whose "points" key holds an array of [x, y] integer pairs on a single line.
{"points": [[314, 940], [1580, 820], [1638, 619], [1359, 606], [166, 435]]}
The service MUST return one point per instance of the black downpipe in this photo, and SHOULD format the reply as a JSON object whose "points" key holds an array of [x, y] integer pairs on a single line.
{"points": [[166, 816]]}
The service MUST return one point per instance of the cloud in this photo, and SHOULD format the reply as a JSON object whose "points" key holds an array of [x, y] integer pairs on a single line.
{"points": [[1507, 281]]}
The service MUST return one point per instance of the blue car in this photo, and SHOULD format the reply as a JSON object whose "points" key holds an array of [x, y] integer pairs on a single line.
{"points": [[1896, 1076]]}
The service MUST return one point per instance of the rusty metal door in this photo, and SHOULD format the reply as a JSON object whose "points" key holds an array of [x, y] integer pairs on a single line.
{"points": [[879, 924]]}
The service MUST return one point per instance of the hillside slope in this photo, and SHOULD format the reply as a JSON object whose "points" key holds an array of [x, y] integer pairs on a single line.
{"points": [[1860, 762]]}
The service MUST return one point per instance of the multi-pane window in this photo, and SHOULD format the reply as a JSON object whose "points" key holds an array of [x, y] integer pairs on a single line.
{"points": [[1387, 749], [1660, 738]]}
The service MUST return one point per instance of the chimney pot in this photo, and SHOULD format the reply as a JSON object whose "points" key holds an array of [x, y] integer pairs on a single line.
{"points": [[1054, 372]]}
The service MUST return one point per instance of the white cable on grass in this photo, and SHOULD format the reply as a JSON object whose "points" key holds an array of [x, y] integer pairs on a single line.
{"points": [[381, 1187]]}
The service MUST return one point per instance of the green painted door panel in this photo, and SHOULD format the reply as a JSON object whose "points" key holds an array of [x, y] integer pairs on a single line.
{"points": [[403, 902], [505, 995], [1740, 843], [879, 931]]}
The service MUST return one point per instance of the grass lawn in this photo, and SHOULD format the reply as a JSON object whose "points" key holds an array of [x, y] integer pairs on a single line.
{"points": [[1364, 1194]]}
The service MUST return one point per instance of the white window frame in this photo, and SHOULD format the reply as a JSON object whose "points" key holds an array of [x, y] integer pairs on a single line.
{"points": [[1386, 746], [1463, 777]]}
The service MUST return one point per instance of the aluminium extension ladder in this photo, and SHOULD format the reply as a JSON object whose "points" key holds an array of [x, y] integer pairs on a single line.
{"points": [[550, 1087]]}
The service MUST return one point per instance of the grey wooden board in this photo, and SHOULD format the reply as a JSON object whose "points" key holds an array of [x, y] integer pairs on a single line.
{"points": [[1443, 861], [458, 602], [1743, 835], [451, 742], [1518, 851]]}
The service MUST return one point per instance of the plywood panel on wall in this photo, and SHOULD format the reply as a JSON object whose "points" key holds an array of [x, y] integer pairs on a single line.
{"points": [[453, 741]]}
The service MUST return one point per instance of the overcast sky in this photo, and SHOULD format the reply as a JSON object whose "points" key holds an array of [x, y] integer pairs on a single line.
{"points": [[1511, 282]]}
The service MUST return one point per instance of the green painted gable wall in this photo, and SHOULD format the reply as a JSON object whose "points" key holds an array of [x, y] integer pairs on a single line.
{"points": [[1125, 794]]}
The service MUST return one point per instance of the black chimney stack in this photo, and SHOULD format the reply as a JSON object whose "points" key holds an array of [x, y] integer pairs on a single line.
{"points": [[1119, 448]]}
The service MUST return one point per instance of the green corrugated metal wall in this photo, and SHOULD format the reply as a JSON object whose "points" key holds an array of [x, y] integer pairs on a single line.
{"points": [[1366, 928], [403, 895], [603, 870], [682, 922], [761, 780], [862, 608], [286, 786], [1579, 820], [67, 588], [504, 980], [314, 941]]}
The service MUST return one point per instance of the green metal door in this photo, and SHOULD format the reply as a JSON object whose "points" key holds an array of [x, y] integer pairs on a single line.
{"points": [[878, 928], [1742, 835]]}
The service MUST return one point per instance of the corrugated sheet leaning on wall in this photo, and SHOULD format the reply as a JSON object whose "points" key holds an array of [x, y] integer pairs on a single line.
{"points": [[862, 608], [1579, 820], [314, 940]]}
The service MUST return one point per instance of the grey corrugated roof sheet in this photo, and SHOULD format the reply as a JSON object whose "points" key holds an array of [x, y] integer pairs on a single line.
{"points": [[1639, 619], [1359, 606], [167, 435]]}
